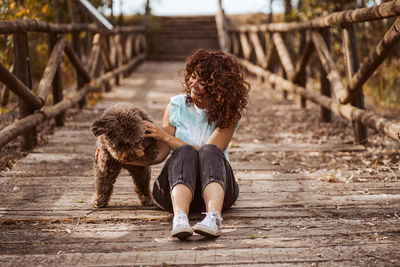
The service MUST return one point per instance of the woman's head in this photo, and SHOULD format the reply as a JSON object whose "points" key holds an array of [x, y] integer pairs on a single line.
{"points": [[216, 78]]}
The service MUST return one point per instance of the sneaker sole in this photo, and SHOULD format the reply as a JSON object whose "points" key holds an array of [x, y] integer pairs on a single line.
{"points": [[182, 233], [204, 231]]}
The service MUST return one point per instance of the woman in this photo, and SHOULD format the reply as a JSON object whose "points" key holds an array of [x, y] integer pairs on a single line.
{"points": [[198, 127]]}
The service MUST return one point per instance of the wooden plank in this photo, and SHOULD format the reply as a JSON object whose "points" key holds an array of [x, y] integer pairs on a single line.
{"points": [[239, 234], [239, 229], [80, 205], [201, 257], [260, 147]]}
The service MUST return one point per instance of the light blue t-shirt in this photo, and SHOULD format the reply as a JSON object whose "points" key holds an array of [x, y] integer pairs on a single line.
{"points": [[190, 122]]}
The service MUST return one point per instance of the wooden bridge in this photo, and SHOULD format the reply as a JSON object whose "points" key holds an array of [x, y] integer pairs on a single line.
{"points": [[310, 195]]}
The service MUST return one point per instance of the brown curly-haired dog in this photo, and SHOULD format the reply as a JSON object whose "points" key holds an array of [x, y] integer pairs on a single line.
{"points": [[121, 137]]}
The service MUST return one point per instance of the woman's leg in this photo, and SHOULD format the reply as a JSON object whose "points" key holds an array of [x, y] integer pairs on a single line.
{"points": [[213, 196], [174, 188], [220, 189], [177, 179], [181, 196]]}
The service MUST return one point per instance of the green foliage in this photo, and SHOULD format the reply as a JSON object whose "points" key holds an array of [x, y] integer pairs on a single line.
{"points": [[383, 89], [313, 9], [12, 10], [30, 9]]}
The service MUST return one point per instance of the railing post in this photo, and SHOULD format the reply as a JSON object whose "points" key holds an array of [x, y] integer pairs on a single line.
{"points": [[57, 82], [76, 45], [352, 60], [4, 96], [106, 59], [22, 71], [303, 78], [114, 55], [119, 59], [222, 24], [325, 84], [5, 92]]}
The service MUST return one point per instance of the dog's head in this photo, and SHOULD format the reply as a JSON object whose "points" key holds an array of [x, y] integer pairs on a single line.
{"points": [[122, 129]]}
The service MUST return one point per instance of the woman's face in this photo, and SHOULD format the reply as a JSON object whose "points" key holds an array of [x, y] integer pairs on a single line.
{"points": [[197, 87]]}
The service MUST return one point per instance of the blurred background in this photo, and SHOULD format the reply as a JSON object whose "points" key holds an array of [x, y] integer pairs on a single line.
{"points": [[382, 90]]}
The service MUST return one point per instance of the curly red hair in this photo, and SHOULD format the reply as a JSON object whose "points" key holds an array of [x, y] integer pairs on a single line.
{"points": [[226, 88]]}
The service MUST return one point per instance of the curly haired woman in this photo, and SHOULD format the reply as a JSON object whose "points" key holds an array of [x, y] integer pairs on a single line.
{"points": [[198, 127]]}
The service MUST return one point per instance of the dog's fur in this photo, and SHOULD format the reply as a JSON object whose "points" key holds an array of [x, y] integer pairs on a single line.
{"points": [[121, 137]]}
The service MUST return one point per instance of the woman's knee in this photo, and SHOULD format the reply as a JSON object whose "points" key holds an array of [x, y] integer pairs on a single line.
{"points": [[184, 167], [209, 149], [187, 152]]}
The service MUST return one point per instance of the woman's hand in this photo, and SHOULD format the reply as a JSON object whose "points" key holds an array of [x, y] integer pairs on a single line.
{"points": [[156, 132]]}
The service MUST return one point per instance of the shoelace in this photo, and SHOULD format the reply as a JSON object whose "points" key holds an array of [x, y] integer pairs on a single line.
{"points": [[212, 218]]}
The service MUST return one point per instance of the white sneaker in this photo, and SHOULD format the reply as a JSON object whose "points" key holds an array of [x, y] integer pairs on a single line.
{"points": [[180, 226], [210, 226]]}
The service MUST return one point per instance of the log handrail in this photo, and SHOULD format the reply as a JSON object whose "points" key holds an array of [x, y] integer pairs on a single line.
{"points": [[51, 68], [19, 88], [284, 55], [383, 48], [328, 63], [348, 100], [91, 75], [382, 11], [369, 119], [30, 25], [76, 62]]}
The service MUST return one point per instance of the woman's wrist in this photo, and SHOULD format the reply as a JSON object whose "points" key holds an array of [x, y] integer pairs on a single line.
{"points": [[167, 139]]}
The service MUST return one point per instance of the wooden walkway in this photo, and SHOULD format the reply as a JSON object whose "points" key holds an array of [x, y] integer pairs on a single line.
{"points": [[307, 196]]}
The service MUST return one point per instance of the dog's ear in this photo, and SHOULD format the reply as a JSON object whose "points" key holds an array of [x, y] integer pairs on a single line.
{"points": [[100, 126], [144, 115]]}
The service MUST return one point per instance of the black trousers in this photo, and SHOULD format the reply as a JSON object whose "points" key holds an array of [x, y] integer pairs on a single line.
{"points": [[195, 169]]}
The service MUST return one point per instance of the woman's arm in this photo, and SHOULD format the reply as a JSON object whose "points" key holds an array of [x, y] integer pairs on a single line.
{"points": [[162, 152], [157, 132], [221, 137], [166, 133], [165, 137]]}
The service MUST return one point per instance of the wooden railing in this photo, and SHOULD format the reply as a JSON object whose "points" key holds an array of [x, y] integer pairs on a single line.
{"points": [[347, 101], [106, 54]]}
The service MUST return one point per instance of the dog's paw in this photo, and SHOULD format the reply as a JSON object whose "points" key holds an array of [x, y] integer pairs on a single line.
{"points": [[96, 204], [146, 201]]}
